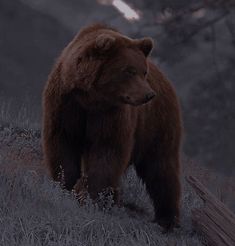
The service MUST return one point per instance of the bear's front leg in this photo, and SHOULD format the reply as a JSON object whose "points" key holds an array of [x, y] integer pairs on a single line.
{"points": [[107, 150], [103, 168]]}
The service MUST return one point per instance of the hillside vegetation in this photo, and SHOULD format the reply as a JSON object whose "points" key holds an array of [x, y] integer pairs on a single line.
{"points": [[36, 211]]}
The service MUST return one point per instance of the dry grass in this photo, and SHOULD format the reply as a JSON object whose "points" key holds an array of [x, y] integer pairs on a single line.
{"points": [[35, 211]]}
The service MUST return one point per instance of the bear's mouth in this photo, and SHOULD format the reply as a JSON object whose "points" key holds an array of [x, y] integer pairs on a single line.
{"points": [[138, 102]]}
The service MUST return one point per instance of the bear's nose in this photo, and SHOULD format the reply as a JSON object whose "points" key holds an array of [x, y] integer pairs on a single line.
{"points": [[149, 96]]}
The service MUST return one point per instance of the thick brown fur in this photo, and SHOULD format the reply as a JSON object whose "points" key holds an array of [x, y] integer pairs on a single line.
{"points": [[106, 105]]}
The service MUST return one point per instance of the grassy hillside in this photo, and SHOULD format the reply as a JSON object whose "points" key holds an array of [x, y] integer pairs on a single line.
{"points": [[36, 211]]}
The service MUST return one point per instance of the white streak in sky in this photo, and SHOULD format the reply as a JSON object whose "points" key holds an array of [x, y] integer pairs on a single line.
{"points": [[128, 12]]}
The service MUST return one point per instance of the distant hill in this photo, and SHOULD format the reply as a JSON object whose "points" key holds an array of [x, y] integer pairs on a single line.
{"points": [[29, 43]]}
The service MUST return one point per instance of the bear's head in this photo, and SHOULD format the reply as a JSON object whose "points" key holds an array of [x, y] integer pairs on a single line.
{"points": [[110, 69]]}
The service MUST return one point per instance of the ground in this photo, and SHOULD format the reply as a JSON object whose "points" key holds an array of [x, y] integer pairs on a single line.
{"points": [[35, 211]]}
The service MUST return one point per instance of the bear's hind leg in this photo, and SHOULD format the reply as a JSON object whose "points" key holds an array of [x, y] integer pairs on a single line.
{"points": [[103, 170]]}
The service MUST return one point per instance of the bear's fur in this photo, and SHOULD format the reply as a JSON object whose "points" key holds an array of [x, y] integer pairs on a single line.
{"points": [[106, 105]]}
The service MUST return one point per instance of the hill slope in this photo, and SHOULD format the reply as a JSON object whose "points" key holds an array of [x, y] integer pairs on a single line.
{"points": [[35, 211]]}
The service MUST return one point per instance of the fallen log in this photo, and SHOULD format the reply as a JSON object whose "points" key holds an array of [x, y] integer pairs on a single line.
{"points": [[214, 220]]}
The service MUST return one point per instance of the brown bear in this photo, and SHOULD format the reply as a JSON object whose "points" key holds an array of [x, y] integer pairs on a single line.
{"points": [[106, 105]]}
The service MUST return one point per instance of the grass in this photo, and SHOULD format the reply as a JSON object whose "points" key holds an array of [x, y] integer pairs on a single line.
{"points": [[22, 116], [36, 211]]}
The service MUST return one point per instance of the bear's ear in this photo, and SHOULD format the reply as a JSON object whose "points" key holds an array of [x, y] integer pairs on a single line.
{"points": [[145, 45], [104, 42]]}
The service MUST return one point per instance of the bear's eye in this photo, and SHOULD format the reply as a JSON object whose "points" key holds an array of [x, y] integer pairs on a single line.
{"points": [[145, 73], [130, 71]]}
